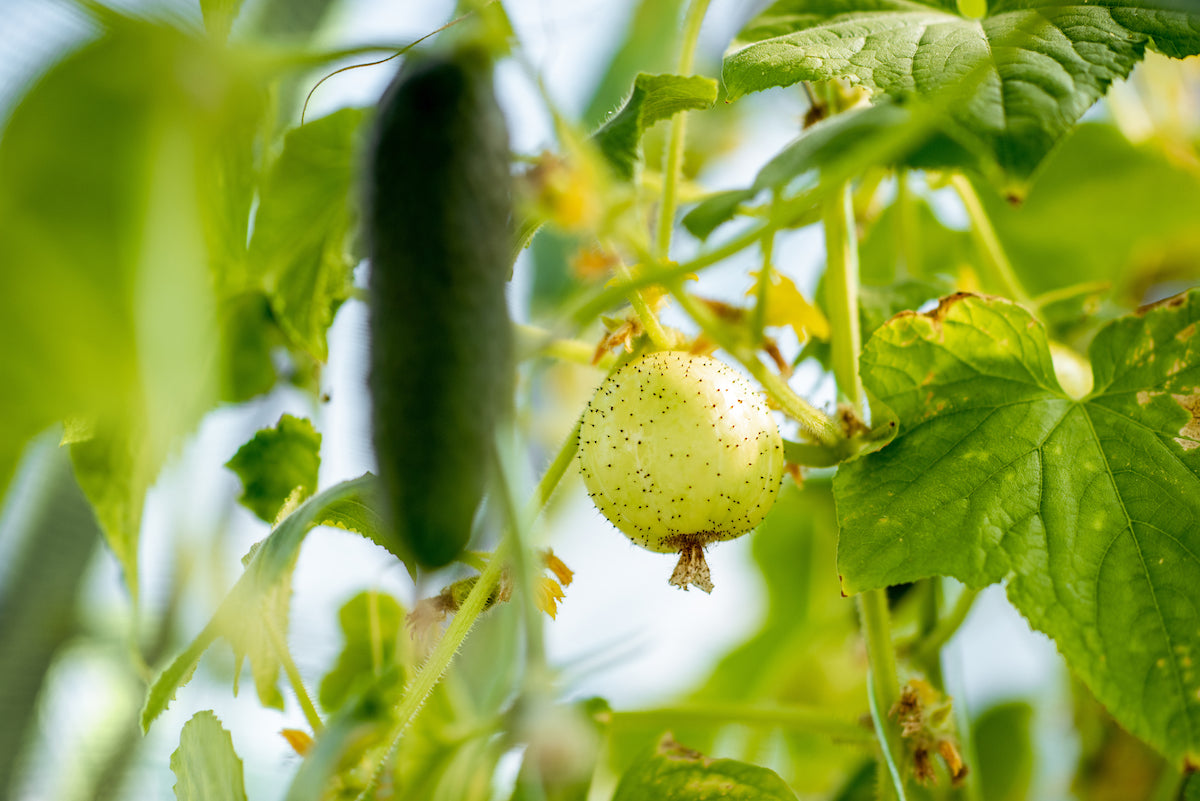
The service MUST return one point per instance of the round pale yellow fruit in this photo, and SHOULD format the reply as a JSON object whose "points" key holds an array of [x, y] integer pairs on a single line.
{"points": [[679, 451]]}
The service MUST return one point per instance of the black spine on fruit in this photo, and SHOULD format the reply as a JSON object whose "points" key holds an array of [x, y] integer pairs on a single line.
{"points": [[437, 219]]}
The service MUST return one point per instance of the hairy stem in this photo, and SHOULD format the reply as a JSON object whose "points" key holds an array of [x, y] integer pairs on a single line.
{"points": [[279, 644], [646, 315], [427, 678]]}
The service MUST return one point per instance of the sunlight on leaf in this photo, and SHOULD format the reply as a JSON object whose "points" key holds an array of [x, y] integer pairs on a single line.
{"points": [[1086, 507]]}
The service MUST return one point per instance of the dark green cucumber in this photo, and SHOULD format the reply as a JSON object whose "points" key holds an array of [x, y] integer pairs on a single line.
{"points": [[437, 218]]}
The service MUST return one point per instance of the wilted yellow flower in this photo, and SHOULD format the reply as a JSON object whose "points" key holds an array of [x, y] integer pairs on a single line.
{"points": [[548, 596], [786, 306], [564, 574], [300, 741]]}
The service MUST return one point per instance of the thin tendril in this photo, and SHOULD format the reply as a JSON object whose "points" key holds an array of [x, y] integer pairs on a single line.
{"points": [[397, 54]]}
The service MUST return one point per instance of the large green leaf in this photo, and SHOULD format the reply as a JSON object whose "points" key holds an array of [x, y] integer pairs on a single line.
{"points": [[1015, 81], [300, 249], [1088, 508], [205, 765], [654, 98], [680, 774], [260, 597], [276, 462]]}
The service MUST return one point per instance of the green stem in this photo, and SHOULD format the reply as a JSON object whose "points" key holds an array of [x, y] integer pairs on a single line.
{"points": [[907, 236], [279, 644], [658, 335], [985, 237], [793, 718], [930, 610], [928, 646], [841, 282], [841, 276], [427, 678], [534, 341], [558, 467], [891, 761], [673, 164], [826, 431], [524, 571], [758, 317], [665, 272], [883, 688]]}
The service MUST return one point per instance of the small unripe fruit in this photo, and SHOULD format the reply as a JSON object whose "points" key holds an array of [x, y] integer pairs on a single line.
{"points": [[679, 451]]}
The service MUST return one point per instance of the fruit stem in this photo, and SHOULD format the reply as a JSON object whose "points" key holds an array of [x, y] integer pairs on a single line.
{"points": [[646, 315], [825, 430], [673, 163], [810, 720], [984, 234]]}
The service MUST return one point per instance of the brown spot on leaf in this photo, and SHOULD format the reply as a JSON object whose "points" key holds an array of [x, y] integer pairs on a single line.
{"points": [[1144, 397], [1189, 435], [1186, 333], [1173, 302], [668, 747]]}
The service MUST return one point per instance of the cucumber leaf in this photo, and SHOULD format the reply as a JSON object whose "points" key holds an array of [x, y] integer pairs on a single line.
{"points": [[370, 623], [205, 765], [654, 98], [1087, 508], [299, 250], [260, 597], [276, 462], [680, 774], [1014, 81]]}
